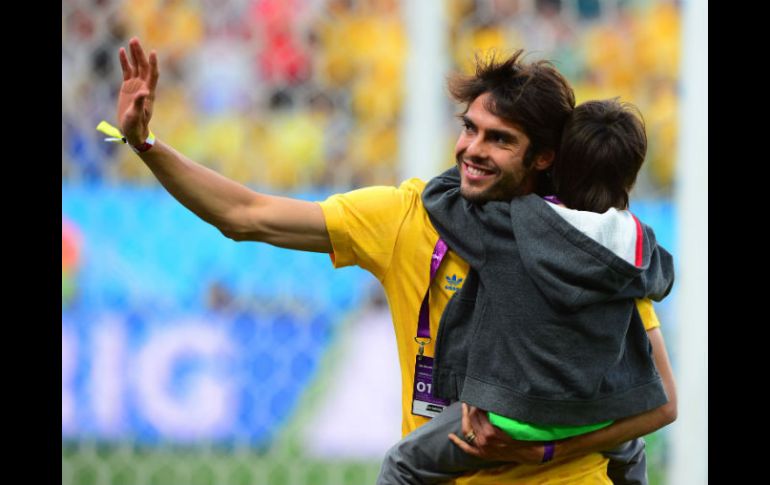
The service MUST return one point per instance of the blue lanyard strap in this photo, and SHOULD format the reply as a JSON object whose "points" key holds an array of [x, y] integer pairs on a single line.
{"points": [[423, 322]]}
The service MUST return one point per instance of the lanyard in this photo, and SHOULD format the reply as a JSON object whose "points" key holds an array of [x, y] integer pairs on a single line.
{"points": [[423, 322]]}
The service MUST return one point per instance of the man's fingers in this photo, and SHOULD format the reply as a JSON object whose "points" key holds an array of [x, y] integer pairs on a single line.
{"points": [[473, 419], [466, 424], [153, 71], [138, 57], [463, 445], [132, 52], [481, 440], [473, 412], [475, 424], [127, 71]]}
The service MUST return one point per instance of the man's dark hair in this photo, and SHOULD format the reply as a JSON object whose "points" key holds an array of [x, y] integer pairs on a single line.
{"points": [[534, 95], [602, 150]]}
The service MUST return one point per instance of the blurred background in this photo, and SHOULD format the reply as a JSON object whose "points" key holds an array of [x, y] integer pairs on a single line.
{"points": [[192, 359]]}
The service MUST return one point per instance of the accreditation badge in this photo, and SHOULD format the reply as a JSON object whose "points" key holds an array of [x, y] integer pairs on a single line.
{"points": [[424, 403]]}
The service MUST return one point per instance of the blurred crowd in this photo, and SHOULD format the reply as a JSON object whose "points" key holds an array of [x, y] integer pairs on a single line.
{"points": [[290, 94]]}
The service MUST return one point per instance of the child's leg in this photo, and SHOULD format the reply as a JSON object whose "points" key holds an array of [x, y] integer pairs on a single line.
{"points": [[426, 456], [628, 463]]}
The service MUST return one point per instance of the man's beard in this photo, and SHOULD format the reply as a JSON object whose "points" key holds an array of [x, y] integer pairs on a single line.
{"points": [[474, 197], [503, 189]]}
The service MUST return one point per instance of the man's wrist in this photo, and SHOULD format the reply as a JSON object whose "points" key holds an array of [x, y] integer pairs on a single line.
{"points": [[549, 449], [142, 147]]}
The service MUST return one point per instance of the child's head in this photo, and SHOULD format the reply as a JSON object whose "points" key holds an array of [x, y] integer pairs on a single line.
{"points": [[602, 149]]}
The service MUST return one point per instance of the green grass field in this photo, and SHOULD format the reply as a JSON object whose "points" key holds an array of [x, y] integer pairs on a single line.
{"points": [[127, 464]]}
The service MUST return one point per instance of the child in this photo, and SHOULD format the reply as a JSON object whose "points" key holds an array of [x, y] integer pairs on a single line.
{"points": [[545, 334]]}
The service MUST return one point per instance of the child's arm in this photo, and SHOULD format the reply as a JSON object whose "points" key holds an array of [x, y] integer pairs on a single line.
{"points": [[492, 443]]}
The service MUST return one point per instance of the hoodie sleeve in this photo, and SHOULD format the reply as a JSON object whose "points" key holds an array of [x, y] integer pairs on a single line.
{"points": [[657, 276], [453, 217], [573, 270]]}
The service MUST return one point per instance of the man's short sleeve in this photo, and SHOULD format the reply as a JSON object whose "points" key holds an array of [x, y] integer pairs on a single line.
{"points": [[647, 312], [363, 226]]}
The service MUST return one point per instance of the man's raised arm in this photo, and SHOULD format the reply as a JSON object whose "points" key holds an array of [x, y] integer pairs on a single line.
{"points": [[237, 211]]}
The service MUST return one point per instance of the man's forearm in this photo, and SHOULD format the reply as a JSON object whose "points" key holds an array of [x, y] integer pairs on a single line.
{"points": [[213, 197], [237, 211], [620, 431]]}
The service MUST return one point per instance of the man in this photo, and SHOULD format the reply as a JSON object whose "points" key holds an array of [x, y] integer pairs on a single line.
{"points": [[513, 121], [549, 286]]}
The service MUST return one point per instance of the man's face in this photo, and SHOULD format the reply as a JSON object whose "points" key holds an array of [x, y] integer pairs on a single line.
{"points": [[490, 156]]}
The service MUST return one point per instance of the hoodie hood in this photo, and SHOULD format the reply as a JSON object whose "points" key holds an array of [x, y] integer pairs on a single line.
{"points": [[573, 270]]}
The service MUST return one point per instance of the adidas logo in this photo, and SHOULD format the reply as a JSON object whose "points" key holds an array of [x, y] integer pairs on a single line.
{"points": [[454, 283]]}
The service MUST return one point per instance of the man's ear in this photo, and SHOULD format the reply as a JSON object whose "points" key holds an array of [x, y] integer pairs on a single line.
{"points": [[544, 159]]}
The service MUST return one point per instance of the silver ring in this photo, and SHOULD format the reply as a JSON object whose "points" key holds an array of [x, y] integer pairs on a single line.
{"points": [[470, 437]]}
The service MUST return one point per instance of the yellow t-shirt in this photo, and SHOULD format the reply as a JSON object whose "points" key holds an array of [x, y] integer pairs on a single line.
{"points": [[386, 231]]}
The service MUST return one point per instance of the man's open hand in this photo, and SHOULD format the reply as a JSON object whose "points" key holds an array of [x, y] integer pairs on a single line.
{"points": [[137, 93]]}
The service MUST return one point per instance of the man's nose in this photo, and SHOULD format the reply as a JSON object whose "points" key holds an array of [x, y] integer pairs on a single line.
{"points": [[476, 148]]}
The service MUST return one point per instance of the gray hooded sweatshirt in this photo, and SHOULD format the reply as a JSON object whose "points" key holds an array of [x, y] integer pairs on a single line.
{"points": [[545, 329]]}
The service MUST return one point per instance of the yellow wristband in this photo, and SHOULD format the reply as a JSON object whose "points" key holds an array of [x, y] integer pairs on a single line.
{"points": [[115, 136]]}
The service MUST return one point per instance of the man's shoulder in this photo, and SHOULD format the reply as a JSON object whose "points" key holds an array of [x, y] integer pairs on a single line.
{"points": [[380, 203], [410, 188], [404, 198], [411, 192], [414, 185]]}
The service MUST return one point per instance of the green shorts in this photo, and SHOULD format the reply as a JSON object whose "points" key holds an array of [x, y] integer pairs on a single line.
{"points": [[519, 430]]}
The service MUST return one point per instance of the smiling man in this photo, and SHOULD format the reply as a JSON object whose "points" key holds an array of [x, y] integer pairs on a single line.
{"points": [[514, 118], [494, 155]]}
